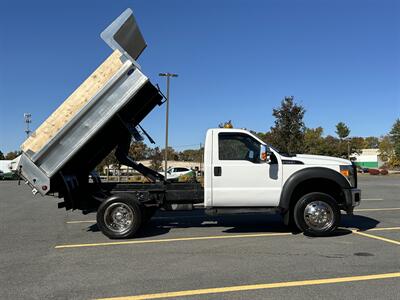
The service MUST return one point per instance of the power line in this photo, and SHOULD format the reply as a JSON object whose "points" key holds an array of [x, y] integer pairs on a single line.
{"points": [[180, 146]]}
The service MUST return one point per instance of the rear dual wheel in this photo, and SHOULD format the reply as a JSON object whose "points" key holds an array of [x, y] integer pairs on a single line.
{"points": [[119, 217], [317, 214]]}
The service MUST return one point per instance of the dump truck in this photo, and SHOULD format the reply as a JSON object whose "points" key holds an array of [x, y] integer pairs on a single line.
{"points": [[242, 173]]}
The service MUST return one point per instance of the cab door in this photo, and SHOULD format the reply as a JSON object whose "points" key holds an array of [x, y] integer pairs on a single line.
{"points": [[239, 177]]}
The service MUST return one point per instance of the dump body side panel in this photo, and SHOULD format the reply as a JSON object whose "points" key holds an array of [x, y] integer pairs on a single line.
{"points": [[72, 105]]}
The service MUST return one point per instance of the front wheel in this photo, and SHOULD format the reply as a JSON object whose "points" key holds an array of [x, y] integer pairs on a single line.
{"points": [[317, 214], [119, 217]]}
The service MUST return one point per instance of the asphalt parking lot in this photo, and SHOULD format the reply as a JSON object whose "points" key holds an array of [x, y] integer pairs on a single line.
{"points": [[48, 253]]}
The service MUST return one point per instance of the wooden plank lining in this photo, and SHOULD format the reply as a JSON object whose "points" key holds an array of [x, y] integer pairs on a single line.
{"points": [[73, 104]]}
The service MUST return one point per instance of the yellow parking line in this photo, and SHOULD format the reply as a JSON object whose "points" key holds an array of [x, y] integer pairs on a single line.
{"points": [[377, 209], [77, 222], [376, 237], [384, 228], [241, 288], [174, 240]]}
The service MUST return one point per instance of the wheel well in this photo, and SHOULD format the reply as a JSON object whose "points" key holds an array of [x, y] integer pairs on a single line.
{"points": [[318, 185]]}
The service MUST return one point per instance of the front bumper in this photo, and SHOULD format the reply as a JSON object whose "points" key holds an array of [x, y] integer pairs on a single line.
{"points": [[353, 199]]}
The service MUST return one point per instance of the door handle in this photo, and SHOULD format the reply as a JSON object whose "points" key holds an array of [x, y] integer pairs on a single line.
{"points": [[217, 171]]}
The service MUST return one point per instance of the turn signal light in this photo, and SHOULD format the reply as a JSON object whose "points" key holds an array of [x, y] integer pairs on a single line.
{"points": [[345, 173]]}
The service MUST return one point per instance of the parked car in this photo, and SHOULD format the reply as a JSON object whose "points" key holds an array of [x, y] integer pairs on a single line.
{"points": [[373, 171], [362, 170], [9, 176], [173, 173], [1, 175], [384, 172]]}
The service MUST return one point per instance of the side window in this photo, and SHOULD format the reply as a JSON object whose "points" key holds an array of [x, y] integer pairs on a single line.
{"points": [[238, 146]]}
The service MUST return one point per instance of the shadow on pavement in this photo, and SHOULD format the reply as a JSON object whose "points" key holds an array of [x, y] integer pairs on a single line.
{"points": [[358, 222], [163, 222]]}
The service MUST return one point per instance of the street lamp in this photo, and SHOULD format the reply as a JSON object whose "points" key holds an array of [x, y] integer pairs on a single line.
{"points": [[168, 75], [28, 120]]}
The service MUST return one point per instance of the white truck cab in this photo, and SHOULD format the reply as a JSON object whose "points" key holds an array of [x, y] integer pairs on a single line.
{"points": [[241, 171], [236, 175]]}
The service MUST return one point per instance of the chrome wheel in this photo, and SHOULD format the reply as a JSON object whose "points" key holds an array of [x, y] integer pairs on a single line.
{"points": [[318, 215], [118, 217]]}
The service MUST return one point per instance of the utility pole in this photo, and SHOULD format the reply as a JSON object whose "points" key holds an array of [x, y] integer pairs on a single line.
{"points": [[168, 75], [348, 148], [201, 158], [28, 120]]}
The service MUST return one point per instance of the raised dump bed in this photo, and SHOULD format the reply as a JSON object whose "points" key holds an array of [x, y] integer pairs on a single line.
{"points": [[100, 114]]}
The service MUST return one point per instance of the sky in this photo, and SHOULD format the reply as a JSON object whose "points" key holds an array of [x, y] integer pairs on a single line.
{"points": [[236, 61]]}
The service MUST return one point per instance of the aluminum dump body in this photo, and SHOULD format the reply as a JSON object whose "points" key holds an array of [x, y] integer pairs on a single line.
{"points": [[94, 119]]}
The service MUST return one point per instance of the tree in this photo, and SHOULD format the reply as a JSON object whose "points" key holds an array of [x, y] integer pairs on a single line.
{"points": [[356, 144], [313, 140], [195, 155], [395, 138], [156, 159], [172, 154], [386, 149], [371, 142], [110, 159], [13, 154], [2, 155], [342, 130], [288, 132], [139, 151], [331, 147]]}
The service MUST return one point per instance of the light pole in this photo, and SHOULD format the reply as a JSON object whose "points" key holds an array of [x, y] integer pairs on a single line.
{"points": [[28, 120], [348, 148], [168, 75]]}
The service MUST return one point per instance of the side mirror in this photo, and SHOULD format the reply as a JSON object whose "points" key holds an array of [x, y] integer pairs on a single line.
{"points": [[265, 154]]}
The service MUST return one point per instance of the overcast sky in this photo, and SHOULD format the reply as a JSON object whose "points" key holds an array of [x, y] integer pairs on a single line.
{"points": [[236, 60]]}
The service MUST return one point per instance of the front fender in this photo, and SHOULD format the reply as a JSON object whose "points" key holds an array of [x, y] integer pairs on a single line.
{"points": [[306, 174]]}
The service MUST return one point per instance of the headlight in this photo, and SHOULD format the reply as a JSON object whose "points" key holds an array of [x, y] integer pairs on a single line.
{"points": [[349, 172]]}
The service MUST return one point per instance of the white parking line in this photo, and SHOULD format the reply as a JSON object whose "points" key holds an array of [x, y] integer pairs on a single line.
{"points": [[78, 222], [378, 209], [372, 199]]}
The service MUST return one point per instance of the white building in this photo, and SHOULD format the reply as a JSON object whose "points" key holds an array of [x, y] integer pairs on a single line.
{"points": [[5, 166], [368, 158]]}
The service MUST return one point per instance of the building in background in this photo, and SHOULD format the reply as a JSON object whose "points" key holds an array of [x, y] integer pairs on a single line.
{"points": [[5, 166], [368, 158]]}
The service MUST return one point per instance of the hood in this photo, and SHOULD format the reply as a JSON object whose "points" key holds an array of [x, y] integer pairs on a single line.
{"points": [[309, 159]]}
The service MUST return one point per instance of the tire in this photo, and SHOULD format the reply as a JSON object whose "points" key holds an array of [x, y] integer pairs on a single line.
{"points": [[317, 214], [119, 217]]}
